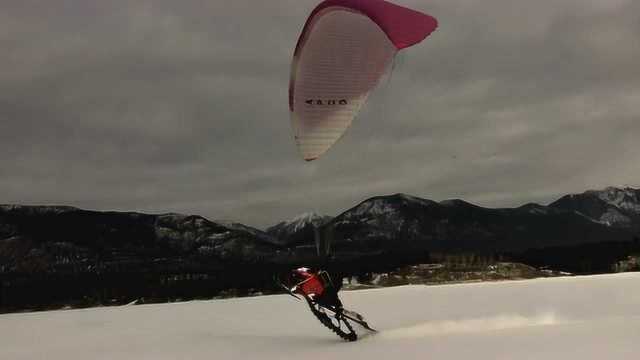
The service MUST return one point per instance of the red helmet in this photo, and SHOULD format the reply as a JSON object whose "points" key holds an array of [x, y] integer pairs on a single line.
{"points": [[301, 273]]}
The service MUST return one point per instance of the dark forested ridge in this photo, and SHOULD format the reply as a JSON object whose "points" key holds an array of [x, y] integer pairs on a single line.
{"points": [[58, 255], [53, 256]]}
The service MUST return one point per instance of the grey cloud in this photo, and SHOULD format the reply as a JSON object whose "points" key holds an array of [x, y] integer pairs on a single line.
{"points": [[182, 106]]}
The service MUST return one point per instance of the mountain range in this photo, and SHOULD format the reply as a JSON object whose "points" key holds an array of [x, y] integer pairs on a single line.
{"points": [[402, 222], [54, 237]]}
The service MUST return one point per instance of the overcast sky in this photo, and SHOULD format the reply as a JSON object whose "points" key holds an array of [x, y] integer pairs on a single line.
{"points": [[181, 106]]}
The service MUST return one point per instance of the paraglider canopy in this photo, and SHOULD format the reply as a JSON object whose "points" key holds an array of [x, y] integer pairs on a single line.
{"points": [[344, 49]]}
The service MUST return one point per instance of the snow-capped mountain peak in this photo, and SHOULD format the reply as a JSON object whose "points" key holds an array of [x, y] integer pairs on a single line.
{"points": [[304, 219], [384, 205], [623, 198], [298, 226], [611, 206]]}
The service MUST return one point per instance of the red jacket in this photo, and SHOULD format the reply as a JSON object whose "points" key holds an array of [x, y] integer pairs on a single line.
{"points": [[311, 285]]}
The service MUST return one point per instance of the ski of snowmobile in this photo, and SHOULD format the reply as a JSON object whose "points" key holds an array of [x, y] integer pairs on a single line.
{"points": [[353, 316], [358, 319]]}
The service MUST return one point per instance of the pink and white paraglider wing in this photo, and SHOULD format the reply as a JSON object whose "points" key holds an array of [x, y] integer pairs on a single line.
{"points": [[344, 49]]}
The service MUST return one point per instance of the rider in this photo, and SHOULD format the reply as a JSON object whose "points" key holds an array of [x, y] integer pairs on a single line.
{"points": [[316, 286]]}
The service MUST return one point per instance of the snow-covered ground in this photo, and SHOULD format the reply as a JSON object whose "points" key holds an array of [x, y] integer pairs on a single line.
{"points": [[596, 317]]}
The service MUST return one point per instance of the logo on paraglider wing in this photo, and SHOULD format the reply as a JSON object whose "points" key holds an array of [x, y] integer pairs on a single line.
{"points": [[326, 102]]}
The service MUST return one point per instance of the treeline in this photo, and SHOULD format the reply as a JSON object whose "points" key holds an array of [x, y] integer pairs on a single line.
{"points": [[20, 291], [593, 258], [164, 281], [118, 283]]}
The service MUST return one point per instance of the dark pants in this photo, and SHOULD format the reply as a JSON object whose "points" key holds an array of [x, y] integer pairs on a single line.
{"points": [[329, 297]]}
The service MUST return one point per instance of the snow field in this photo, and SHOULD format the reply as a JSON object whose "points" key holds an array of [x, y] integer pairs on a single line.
{"points": [[595, 317]]}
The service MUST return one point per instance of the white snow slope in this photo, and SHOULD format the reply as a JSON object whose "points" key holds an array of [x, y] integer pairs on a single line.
{"points": [[595, 317]]}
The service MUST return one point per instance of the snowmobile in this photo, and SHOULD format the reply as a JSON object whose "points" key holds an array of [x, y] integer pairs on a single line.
{"points": [[317, 289]]}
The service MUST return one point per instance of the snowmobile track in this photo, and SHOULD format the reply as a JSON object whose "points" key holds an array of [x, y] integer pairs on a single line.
{"points": [[324, 319]]}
